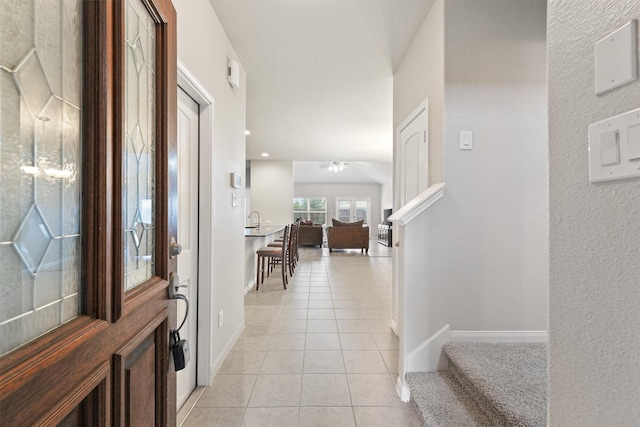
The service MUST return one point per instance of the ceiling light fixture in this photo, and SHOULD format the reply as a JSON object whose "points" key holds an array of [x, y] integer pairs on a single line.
{"points": [[247, 132], [337, 166], [265, 154]]}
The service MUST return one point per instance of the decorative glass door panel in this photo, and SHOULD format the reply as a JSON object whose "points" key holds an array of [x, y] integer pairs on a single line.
{"points": [[139, 168], [40, 176]]}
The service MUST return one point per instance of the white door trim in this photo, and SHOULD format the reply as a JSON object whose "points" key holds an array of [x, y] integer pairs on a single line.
{"points": [[191, 85]]}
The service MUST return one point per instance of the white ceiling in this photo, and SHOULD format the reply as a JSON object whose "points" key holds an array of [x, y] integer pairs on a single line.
{"points": [[319, 73], [311, 172]]}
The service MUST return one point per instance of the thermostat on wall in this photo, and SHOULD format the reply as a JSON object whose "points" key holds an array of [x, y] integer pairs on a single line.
{"points": [[236, 180], [234, 74]]}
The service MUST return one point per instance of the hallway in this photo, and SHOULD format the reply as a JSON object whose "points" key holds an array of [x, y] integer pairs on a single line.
{"points": [[318, 354]]}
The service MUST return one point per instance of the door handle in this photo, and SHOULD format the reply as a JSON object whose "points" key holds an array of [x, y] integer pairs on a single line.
{"points": [[174, 285], [175, 249]]}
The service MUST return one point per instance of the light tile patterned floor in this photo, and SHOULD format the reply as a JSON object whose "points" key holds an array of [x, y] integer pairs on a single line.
{"points": [[320, 353]]}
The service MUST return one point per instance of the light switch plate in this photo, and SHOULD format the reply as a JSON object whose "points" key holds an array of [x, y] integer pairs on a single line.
{"points": [[614, 147], [633, 142], [609, 148], [466, 140], [616, 58]]}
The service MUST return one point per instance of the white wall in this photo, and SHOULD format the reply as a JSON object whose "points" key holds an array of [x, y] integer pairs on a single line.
{"points": [[492, 260], [331, 191], [594, 315], [204, 49], [421, 75], [272, 190], [485, 244], [386, 196]]}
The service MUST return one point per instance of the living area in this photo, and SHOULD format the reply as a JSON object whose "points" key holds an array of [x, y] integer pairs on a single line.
{"points": [[310, 191], [340, 239]]}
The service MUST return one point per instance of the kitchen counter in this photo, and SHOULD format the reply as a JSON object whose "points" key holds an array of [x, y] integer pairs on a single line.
{"points": [[256, 238], [263, 230]]}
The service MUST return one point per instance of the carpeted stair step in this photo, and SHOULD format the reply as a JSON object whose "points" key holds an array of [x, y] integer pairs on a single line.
{"points": [[441, 402], [507, 380]]}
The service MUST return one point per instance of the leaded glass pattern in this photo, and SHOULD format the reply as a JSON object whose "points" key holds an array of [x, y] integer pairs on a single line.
{"points": [[40, 179], [140, 145]]}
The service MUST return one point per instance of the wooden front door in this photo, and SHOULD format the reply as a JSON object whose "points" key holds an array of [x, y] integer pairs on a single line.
{"points": [[87, 196]]}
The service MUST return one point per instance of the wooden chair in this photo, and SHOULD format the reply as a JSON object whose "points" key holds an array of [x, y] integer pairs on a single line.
{"points": [[292, 242], [267, 255]]}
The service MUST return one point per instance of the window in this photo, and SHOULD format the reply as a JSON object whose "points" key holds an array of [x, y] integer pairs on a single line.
{"points": [[311, 208]]}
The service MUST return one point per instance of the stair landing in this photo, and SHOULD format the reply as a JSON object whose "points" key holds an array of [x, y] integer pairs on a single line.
{"points": [[497, 384]]}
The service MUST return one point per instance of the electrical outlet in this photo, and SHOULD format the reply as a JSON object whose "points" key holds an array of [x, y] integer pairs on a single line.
{"points": [[220, 319]]}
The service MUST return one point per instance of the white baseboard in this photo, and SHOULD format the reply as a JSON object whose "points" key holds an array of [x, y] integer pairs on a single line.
{"points": [[500, 336], [249, 286], [394, 327], [402, 389], [428, 356], [226, 349]]}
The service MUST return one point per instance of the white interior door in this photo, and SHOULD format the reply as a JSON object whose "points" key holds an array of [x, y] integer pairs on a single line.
{"points": [[188, 146], [414, 154], [351, 209]]}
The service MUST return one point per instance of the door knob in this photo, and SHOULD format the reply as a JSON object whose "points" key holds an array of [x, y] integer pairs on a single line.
{"points": [[176, 248]]}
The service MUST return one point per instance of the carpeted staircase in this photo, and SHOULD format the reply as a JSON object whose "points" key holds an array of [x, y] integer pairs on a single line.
{"points": [[487, 384]]}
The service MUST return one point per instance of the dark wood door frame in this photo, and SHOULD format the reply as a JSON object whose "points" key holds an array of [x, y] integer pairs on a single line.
{"points": [[84, 372]]}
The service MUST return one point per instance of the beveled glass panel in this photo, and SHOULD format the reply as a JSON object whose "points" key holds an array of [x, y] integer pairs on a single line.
{"points": [[16, 20], [139, 159], [40, 180]]}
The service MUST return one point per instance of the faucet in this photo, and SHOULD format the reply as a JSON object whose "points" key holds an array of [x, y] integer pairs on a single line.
{"points": [[258, 216]]}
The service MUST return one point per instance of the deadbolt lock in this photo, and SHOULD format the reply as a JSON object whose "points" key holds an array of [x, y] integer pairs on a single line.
{"points": [[176, 248]]}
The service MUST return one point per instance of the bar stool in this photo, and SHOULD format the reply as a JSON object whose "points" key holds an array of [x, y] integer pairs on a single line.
{"points": [[268, 254], [292, 242]]}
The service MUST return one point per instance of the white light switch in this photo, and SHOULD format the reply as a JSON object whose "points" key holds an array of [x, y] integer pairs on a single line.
{"points": [[616, 58], [466, 140], [633, 142], [614, 147], [609, 149]]}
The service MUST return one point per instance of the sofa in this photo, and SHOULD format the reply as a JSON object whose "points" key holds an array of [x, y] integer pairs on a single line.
{"points": [[310, 234], [348, 235]]}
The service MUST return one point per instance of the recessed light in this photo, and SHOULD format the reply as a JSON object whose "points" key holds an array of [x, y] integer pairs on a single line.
{"points": [[265, 154], [247, 132]]}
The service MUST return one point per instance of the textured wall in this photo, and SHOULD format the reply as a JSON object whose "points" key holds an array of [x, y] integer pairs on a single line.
{"points": [[594, 314]]}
